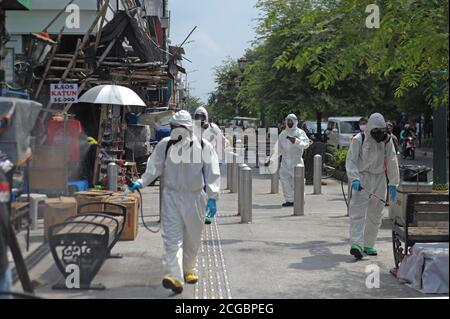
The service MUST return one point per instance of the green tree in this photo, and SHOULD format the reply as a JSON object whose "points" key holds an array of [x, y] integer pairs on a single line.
{"points": [[223, 103], [317, 58], [193, 102], [333, 41]]}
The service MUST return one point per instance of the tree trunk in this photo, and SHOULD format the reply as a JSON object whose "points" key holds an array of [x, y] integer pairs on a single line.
{"points": [[319, 125]]}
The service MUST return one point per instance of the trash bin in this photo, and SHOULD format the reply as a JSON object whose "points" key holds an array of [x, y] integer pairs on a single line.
{"points": [[413, 179], [416, 173]]}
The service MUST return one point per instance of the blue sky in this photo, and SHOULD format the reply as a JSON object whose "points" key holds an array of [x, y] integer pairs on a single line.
{"points": [[224, 29]]}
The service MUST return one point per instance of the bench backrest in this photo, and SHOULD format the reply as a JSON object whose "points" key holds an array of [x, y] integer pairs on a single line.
{"points": [[427, 207]]}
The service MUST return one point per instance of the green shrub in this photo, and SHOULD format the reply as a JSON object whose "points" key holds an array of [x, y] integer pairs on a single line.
{"points": [[340, 155]]}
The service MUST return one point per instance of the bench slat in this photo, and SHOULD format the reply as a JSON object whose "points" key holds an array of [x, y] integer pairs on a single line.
{"points": [[110, 223], [431, 206], [440, 216], [428, 230], [68, 228]]}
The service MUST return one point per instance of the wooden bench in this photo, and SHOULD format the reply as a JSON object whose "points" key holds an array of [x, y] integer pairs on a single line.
{"points": [[426, 221], [83, 243]]}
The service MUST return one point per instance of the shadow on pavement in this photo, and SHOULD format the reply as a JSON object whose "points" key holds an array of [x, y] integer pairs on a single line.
{"points": [[321, 262], [256, 206]]}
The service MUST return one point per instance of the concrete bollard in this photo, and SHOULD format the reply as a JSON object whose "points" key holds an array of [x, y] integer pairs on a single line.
{"points": [[240, 187], [247, 198], [234, 173], [299, 190], [229, 175], [275, 182], [317, 174]]}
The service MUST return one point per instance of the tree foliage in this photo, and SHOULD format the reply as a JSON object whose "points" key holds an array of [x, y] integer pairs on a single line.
{"points": [[319, 56]]}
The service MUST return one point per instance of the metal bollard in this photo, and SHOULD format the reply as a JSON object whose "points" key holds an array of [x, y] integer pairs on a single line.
{"points": [[229, 175], [240, 187], [113, 175], [247, 200], [275, 182], [234, 179], [299, 190], [317, 174]]}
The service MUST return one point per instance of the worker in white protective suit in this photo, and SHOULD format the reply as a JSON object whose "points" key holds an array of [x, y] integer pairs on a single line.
{"points": [[290, 146], [210, 131], [370, 157], [187, 165]]}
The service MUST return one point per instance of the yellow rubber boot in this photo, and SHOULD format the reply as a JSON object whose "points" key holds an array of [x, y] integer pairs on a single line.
{"points": [[190, 278], [173, 284]]}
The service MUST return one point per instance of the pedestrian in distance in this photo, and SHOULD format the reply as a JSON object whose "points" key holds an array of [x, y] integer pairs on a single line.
{"points": [[290, 146]]}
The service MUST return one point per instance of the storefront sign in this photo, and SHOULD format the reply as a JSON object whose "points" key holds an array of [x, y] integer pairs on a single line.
{"points": [[64, 93]]}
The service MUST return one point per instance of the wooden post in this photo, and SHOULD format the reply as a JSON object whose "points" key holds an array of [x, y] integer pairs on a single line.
{"points": [[99, 32], [85, 81], [80, 46], [49, 63], [103, 115]]}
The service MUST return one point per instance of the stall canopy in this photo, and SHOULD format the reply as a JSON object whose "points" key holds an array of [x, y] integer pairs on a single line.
{"points": [[121, 26]]}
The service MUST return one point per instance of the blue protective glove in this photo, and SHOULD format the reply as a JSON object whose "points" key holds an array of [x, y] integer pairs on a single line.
{"points": [[134, 186], [392, 192], [356, 185], [211, 208]]}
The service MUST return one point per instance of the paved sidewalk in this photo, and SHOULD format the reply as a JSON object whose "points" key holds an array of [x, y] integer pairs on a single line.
{"points": [[277, 256]]}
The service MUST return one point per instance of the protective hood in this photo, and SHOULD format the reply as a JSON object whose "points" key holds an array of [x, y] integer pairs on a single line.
{"points": [[202, 110], [376, 120], [294, 128], [183, 118]]}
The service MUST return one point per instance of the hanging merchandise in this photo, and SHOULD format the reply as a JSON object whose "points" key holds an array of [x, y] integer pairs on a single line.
{"points": [[112, 145], [55, 135]]}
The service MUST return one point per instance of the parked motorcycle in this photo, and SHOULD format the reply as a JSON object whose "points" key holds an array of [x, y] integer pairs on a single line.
{"points": [[409, 150]]}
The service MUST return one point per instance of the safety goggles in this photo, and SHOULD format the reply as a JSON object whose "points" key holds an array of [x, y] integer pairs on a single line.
{"points": [[200, 117], [378, 131]]}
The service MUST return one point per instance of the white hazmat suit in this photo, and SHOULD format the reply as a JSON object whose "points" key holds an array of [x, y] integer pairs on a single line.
{"points": [[183, 199], [212, 133], [369, 162], [292, 155]]}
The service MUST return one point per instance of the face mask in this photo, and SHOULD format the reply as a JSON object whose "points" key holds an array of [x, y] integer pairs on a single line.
{"points": [[362, 127], [180, 134], [379, 134]]}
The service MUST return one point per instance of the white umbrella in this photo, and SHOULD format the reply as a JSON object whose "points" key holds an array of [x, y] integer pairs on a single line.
{"points": [[111, 94]]}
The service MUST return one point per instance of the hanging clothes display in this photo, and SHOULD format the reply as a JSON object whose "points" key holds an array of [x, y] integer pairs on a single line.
{"points": [[55, 136]]}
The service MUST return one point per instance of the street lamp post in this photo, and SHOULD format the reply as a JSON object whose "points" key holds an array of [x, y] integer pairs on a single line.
{"points": [[440, 116], [188, 102]]}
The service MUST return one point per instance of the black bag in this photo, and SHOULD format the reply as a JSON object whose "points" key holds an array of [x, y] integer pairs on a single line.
{"points": [[414, 173]]}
